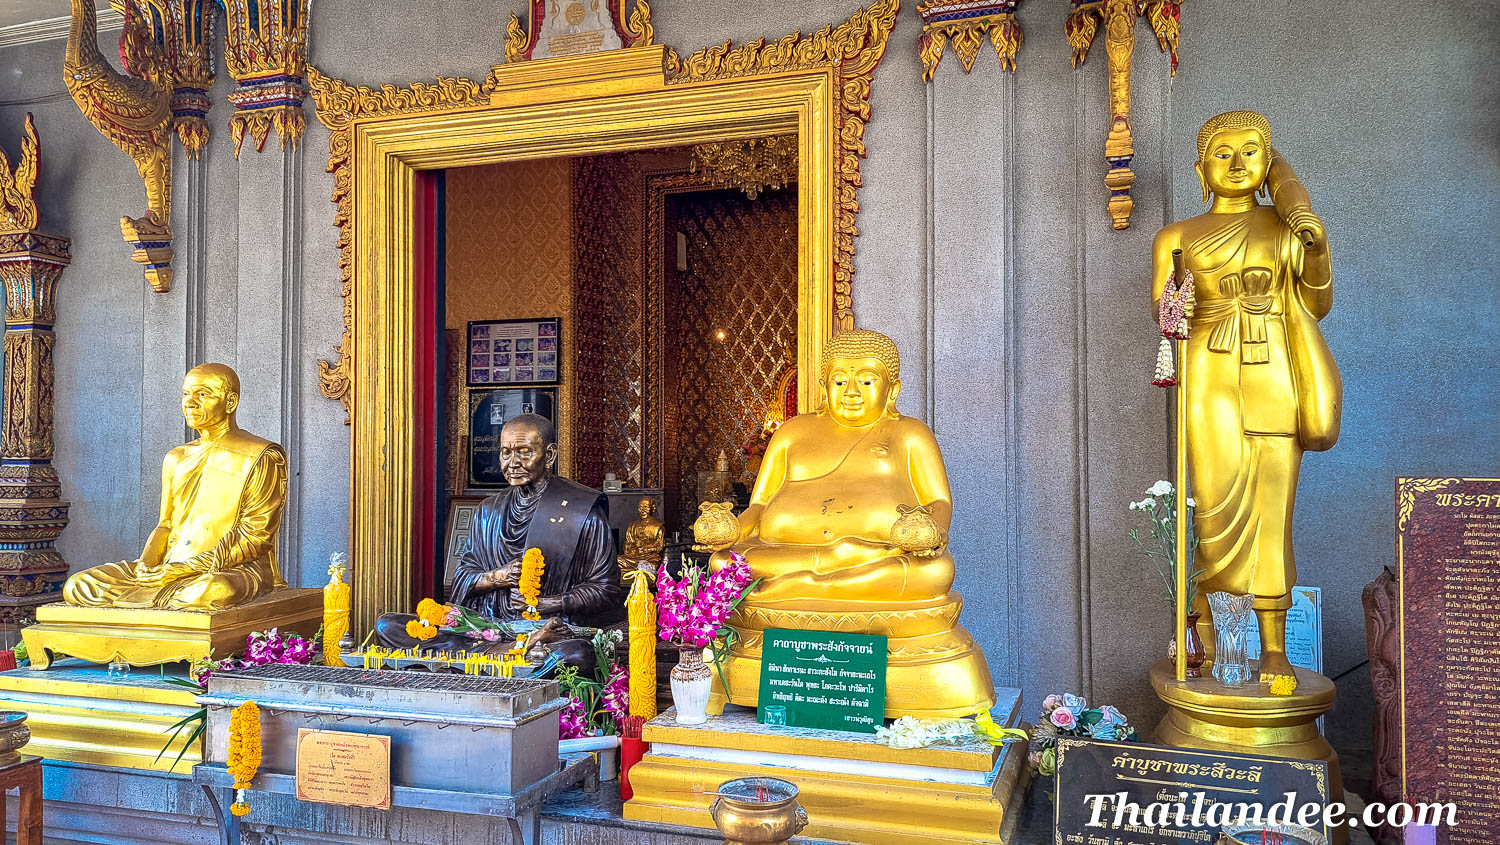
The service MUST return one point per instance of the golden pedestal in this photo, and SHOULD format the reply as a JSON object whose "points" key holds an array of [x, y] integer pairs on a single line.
{"points": [[77, 712], [149, 636], [1203, 713], [934, 671], [854, 788]]}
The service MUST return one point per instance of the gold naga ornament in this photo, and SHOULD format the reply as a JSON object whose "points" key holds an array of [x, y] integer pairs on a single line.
{"points": [[1119, 16], [32, 512], [965, 23], [134, 112], [169, 72]]}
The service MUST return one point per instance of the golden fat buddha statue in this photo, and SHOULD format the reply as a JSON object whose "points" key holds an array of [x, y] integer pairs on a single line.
{"points": [[221, 502], [847, 530], [1261, 384]]}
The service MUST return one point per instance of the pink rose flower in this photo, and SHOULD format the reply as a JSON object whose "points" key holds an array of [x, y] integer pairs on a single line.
{"points": [[1051, 702], [1063, 718]]}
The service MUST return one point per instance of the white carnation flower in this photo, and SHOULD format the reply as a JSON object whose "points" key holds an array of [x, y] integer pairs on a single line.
{"points": [[1161, 488]]}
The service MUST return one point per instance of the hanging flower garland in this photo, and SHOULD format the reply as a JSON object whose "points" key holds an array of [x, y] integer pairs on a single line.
{"points": [[1172, 314], [532, 567], [244, 752]]}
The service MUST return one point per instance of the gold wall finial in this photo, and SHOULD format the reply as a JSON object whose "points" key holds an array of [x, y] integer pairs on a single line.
{"points": [[965, 23], [1119, 17], [134, 113], [265, 49], [18, 186]]}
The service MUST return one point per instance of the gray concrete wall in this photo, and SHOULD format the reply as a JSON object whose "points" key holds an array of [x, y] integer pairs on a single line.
{"points": [[986, 251]]}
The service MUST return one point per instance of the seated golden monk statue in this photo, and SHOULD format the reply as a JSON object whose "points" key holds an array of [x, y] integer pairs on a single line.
{"points": [[847, 530], [208, 575], [644, 540], [221, 502]]}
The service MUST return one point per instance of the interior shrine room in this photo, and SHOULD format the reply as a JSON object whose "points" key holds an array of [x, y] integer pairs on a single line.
{"points": [[837, 421]]}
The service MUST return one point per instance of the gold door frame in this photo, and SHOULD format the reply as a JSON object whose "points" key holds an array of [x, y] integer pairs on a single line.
{"points": [[817, 87]]}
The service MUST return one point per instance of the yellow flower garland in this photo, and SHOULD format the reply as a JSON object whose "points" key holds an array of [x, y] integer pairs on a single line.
{"points": [[532, 567], [420, 630], [244, 752]]}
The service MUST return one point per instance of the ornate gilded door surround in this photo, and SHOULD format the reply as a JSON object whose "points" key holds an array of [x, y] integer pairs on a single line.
{"points": [[816, 87]]}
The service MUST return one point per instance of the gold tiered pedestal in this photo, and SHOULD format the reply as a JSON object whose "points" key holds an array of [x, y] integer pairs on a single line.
{"points": [[76, 712], [854, 788], [935, 671], [149, 636], [1203, 713]]}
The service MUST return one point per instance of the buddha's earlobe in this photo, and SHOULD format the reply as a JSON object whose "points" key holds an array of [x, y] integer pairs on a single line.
{"points": [[890, 402], [1201, 180]]}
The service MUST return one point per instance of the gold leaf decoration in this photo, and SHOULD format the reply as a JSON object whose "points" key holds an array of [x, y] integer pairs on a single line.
{"points": [[339, 104], [18, 186], [1406, 495], [964, 23]]}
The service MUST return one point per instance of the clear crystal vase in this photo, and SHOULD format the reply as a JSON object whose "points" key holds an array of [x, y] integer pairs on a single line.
{"points": [[1231, 630]]}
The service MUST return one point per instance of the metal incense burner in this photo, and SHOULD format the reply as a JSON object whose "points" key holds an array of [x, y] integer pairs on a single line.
{"points": [[757, 811], [459, 743]]}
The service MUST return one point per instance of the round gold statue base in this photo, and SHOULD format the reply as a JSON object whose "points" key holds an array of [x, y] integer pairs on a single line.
{"points": [[1203, 713]]}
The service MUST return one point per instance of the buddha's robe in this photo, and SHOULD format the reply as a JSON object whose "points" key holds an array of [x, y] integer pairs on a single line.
{"points": [[823, 537], [1261, 386], [221, 513]]}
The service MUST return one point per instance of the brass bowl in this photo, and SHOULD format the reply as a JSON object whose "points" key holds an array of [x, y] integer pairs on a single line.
{"points": [[14, 734], [757, 811]]}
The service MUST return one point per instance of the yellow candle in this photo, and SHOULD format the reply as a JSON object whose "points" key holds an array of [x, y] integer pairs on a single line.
{"points": [[641, 607], [335, 612]]}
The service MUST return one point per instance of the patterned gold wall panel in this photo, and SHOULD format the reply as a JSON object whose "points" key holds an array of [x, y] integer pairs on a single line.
{"points": [[742, 280], [609, 310], [510, 256]]}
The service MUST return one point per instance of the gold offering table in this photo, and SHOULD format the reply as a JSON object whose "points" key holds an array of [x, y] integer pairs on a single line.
{"points": [[78, 713], [855, 789], [150, 636]]}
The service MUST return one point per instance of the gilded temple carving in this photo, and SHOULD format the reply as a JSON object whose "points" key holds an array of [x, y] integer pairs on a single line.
{"points": [[965, 24]]}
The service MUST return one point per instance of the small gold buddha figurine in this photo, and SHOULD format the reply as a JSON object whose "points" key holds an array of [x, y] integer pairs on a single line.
{"points": [[1261, 384], [221, 502], [644, 540], [841, 497]]}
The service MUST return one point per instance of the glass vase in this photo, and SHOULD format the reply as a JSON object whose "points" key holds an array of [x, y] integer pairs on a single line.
{"points": [[1231, 632]]}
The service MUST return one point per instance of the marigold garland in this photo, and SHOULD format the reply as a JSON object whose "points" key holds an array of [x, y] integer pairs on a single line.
{"points": [[421, 630], [244, 752], [532, 567]]}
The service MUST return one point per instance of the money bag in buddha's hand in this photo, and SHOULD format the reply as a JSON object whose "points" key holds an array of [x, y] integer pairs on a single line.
{"points": [[716, 528], [915, 530]]}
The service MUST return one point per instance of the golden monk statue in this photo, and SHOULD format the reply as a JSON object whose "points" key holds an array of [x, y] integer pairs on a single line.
{"points": [[221, 502], [1261, 384], [847, 530], [644, 540]]}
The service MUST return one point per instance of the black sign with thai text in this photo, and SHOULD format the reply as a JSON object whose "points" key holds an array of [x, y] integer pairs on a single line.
{"points": [[1126, 793]]}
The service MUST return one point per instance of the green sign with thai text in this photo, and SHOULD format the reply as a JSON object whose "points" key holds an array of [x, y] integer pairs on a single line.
{"points": [[821, 679]]}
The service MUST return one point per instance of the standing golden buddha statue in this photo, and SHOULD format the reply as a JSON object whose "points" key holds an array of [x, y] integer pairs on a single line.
{"points": [[1261, 385], [847, 529]]}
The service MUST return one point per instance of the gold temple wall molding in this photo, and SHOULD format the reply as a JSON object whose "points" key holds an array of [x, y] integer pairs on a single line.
{"points": [[1119, 17], [965, 23], [816, 87], [32, 512]]}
